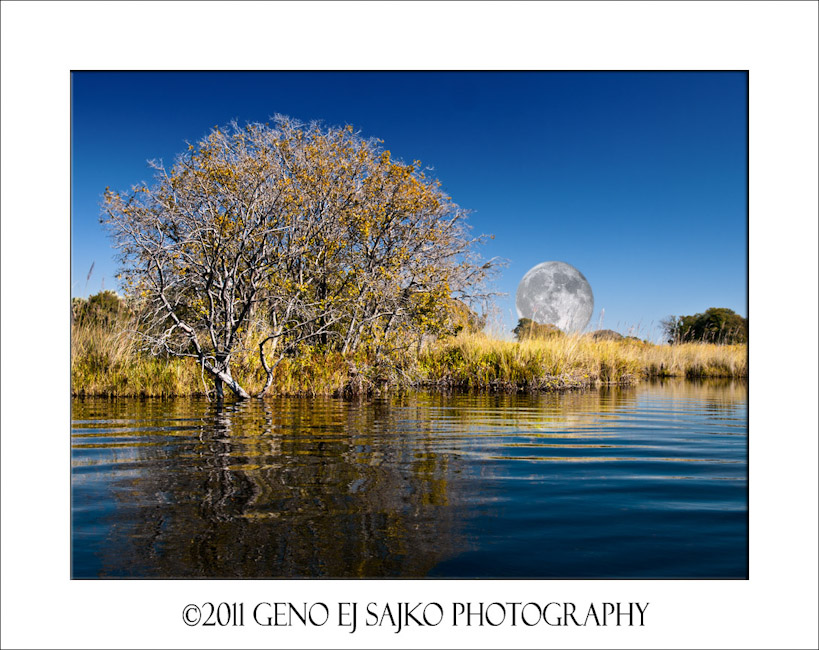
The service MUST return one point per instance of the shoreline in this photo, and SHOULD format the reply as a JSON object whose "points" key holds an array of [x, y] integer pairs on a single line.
{"points": [[428, 387], [108, 359], [115, 389]]}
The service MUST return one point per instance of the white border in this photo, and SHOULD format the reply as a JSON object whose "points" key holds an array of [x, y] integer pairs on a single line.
{"points": [[41, 42]]}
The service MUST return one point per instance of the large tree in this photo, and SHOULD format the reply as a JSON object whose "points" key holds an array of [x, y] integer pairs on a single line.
{"points": [[315, 234]]}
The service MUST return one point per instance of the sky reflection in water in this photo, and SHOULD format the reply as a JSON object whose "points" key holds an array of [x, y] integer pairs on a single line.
{"points": [[645, 482]]}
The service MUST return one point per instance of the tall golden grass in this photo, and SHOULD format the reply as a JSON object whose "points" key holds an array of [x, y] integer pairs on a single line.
{"points": [[107, 362], [478, 361]]}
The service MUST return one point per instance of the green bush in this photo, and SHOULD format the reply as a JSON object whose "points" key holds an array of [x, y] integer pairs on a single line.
{"points": [[104, 309], [527, 329], [716, 325], [607, 335]]}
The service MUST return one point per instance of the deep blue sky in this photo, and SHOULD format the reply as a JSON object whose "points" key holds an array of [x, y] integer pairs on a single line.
{"points": [[637, 179]]}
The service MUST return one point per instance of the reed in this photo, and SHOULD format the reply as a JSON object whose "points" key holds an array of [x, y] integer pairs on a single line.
{"points": [[106, 361]]}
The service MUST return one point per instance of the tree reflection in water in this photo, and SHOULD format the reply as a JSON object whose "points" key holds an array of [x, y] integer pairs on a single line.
{"points": [[399, 486], [278, 488]]}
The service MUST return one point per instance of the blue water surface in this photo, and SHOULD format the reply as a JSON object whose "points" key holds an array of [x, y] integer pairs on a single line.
{"points": [[641, 482]]}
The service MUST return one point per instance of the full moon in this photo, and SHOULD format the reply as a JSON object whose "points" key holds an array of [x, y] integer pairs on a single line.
{"points": [[556, 293]]}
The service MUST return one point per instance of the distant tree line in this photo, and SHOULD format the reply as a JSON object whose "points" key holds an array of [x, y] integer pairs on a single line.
{"points": [[715, 325], [528, 330]]}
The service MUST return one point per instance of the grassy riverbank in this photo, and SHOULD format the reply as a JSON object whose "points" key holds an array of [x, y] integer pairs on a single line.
{"points": [[573, 361], [107, 363]]}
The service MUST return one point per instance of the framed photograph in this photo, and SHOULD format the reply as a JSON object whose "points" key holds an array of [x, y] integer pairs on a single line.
{"points": [[330, 331]]}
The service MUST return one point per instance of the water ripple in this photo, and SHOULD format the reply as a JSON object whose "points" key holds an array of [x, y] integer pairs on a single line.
{"points": [[642, 482]]}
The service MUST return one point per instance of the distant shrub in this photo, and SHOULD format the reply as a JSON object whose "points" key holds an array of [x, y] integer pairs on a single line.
{"points": [[527, 329], [607, 335], [104, 309]]}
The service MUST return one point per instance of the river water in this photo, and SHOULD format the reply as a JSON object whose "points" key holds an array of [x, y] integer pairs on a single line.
{"points": [[641, 482]]}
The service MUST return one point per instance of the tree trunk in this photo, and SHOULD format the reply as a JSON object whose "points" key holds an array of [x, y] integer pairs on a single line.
{"points": [[269, 370], [240, 392], [221, 376]]}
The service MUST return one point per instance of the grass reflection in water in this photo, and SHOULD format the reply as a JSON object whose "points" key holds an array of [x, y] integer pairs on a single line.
{"points": [[418, 484]]}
